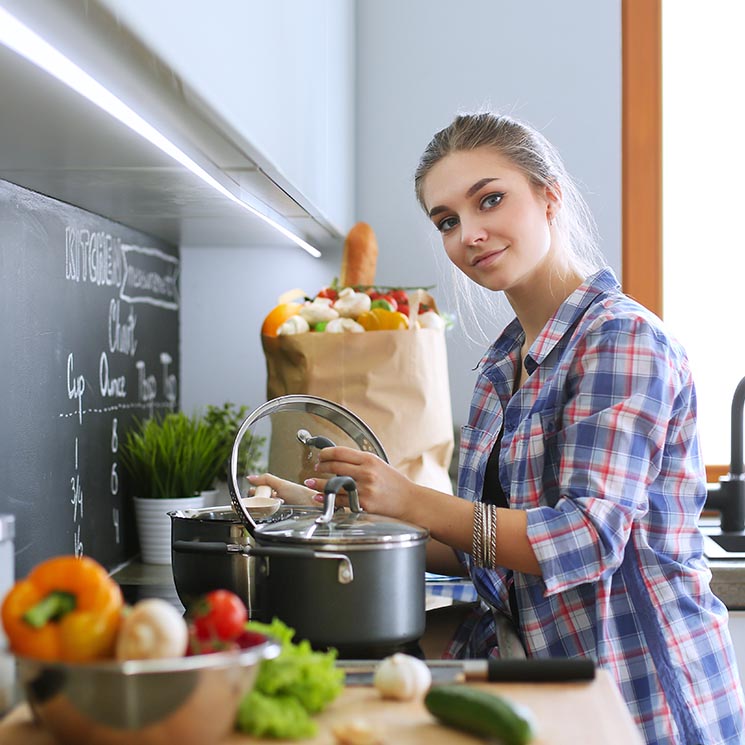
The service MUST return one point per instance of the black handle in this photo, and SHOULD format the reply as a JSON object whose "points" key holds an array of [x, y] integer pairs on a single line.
{"points": [[534, 670], [215, 547]]}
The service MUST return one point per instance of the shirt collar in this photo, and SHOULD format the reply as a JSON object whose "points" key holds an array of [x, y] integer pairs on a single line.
{"points": [[596, 285]]}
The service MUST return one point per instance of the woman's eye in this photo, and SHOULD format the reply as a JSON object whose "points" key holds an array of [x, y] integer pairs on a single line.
{"points": [[447, 224], [492, 200]]}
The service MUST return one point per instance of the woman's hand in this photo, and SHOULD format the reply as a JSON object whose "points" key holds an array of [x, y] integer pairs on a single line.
{"points": [[291, 492], [381, 488]]}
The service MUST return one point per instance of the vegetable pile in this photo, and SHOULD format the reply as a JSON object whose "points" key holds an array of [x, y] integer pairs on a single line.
{"points": [[289, 689], [337, 310]]}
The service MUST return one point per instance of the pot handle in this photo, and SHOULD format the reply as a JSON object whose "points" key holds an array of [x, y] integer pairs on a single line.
{"points": [[345, 573], [333, 485]]}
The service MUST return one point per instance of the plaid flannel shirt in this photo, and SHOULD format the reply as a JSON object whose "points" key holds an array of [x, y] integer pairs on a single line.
{"points": [[600, 448]]}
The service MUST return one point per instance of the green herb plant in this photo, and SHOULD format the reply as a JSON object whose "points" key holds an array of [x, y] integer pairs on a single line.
{"points": [[290, 688], [172, 456], [226, 420]]}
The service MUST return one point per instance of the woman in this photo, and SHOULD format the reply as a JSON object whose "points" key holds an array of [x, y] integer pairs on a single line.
{"points": [[580, 480]]}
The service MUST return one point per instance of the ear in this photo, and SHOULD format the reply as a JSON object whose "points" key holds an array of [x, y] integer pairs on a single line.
{"points": [[552, 194]]}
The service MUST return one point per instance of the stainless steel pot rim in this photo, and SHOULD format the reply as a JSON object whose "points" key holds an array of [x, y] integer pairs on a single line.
{"points": [[361, 544]]}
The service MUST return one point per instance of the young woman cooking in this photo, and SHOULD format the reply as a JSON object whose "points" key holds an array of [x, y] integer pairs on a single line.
{"points": [[580, 480]]}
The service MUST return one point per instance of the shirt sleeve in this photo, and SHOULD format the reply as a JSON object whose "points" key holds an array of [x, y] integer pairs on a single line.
{"points": [[623, 394]]}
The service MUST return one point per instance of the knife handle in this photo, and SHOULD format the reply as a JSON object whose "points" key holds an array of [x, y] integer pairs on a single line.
{"points": [[533, 670]]}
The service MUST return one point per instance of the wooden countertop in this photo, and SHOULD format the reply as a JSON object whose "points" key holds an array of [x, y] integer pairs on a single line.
{"points": [[566, 714]]}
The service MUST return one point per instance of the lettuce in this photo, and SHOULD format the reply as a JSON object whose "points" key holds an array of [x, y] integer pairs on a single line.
{"points": [[291, 687]]}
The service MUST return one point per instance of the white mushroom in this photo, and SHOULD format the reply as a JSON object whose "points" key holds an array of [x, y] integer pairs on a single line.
{"points": [[293, 325], [431, 320], [318, 311], [153, 629], [402, 677], [351, 304], [344, 326]]}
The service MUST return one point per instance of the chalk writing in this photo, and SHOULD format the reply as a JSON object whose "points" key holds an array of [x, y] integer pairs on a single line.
{"points": [[93, 256], [75, 386], [121, 335]]}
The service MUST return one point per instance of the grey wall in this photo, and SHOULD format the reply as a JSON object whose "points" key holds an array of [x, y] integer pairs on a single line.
{"points": [[556, 65]]}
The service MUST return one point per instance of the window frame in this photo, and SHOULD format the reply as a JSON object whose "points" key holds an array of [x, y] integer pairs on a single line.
{"points": [[641, 173]]}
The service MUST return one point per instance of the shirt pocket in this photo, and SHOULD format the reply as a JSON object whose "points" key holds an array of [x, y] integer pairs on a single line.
{"points": [[534, 453]]}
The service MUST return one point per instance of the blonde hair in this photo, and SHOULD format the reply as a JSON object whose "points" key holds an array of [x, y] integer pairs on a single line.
{"points": [[539, 161]]}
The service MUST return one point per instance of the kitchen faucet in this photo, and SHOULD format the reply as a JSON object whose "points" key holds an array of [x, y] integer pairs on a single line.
{"points": [[728, 496]]}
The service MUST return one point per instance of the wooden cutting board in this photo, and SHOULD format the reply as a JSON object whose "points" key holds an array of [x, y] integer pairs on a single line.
{"points": [[566, 714]]}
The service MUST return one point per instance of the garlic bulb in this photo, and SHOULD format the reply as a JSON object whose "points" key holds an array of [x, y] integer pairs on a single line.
{"points": [[153, 629], [402, 677], [293, 325], [344, 326]]}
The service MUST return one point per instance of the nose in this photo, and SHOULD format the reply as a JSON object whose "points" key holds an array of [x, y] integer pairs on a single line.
{"points": [[472, 232]]}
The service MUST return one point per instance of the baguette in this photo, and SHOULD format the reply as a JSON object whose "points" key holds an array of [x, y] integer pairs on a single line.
{"points": [[360, 257]]}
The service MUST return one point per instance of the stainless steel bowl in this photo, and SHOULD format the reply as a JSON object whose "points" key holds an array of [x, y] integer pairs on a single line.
{"points": [[186, 700]]}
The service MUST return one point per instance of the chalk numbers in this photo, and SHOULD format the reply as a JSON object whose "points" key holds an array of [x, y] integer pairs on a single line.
{"points": [[77, 503]]}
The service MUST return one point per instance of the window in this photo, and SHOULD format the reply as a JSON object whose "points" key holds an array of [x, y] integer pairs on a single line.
{"points": [[683, 254]]}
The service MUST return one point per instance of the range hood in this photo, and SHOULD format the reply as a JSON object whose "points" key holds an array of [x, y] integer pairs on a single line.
{"points": [[55, 141]]}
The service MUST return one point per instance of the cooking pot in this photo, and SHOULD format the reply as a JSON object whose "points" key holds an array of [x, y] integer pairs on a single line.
{"points": [[342, 578]]}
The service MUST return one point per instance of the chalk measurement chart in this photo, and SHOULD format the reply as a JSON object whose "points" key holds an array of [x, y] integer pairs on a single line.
{"points": [[121, 369]]}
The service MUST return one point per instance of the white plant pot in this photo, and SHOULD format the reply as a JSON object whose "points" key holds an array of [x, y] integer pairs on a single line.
{"points": [[154, 525]]}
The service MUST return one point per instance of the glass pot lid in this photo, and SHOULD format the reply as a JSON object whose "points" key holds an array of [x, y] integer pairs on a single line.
{"points": [[283, 437]]}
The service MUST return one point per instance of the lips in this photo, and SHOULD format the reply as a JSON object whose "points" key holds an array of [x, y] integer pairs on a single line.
{"points": [[487, 258]]}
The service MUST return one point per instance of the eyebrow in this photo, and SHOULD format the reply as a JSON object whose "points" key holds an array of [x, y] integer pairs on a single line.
{"points": [[471, 191]]}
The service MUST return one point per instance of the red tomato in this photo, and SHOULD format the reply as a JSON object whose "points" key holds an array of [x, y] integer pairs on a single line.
{"points": [[328, 292], [404, 309], [400, 296], [220, 615], [423, 307]]}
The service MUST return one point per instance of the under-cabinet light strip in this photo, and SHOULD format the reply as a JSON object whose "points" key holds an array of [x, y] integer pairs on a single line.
{"points": [[22, 40]]}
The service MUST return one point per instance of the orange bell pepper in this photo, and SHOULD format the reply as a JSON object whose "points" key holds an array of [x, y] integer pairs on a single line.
{"points": [[68, 608]]}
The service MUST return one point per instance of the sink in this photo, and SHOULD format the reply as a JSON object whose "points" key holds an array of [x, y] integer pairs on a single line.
{"points": [[718, 545]]}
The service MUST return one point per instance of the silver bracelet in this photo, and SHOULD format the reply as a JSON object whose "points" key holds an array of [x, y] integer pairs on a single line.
{"points": [[493, 537], [477, 551]]}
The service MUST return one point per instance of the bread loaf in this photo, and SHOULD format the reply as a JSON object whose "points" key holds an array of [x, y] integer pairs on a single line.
{"points": [[360, 257]]}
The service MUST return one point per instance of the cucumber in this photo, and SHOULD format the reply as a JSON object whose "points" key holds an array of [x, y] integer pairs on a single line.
{"points": [[481, 713]]}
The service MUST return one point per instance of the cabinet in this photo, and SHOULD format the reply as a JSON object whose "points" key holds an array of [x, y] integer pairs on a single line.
{"points": [[281, 75], [257, 94]]}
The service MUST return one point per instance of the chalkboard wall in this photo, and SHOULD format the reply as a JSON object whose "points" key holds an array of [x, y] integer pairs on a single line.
{"points": [[89, 323]]}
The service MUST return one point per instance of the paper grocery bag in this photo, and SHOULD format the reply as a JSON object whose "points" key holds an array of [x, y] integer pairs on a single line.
{"points": [[395, 381]]}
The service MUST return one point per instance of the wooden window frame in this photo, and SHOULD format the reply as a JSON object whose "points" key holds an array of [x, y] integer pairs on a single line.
{"points": [[641, 126]]}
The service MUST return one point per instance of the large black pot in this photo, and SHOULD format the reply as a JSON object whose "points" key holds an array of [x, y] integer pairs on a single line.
{"points": [[347, 579]]}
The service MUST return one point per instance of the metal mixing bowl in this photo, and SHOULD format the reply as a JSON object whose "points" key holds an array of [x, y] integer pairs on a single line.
{"points": [[186, 700]]}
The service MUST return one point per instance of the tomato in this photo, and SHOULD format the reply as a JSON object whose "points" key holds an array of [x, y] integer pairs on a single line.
{"points": [[328, 292], [400, 297], [423, 308], [220, 615], [404, 309], [385, 297]]}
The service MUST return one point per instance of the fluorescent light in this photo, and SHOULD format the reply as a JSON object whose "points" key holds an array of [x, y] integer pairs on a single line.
{"points": [[21, 39]]}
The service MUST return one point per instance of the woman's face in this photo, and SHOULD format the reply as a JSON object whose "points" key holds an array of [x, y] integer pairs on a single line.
{"points": [[494, 224]]}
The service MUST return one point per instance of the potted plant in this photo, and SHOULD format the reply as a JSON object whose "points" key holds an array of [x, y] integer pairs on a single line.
{"points": [[226, 420], [170, 461]]}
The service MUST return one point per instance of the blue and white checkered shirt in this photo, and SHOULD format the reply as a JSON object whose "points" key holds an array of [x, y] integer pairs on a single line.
{"points": [[600, 448]]}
